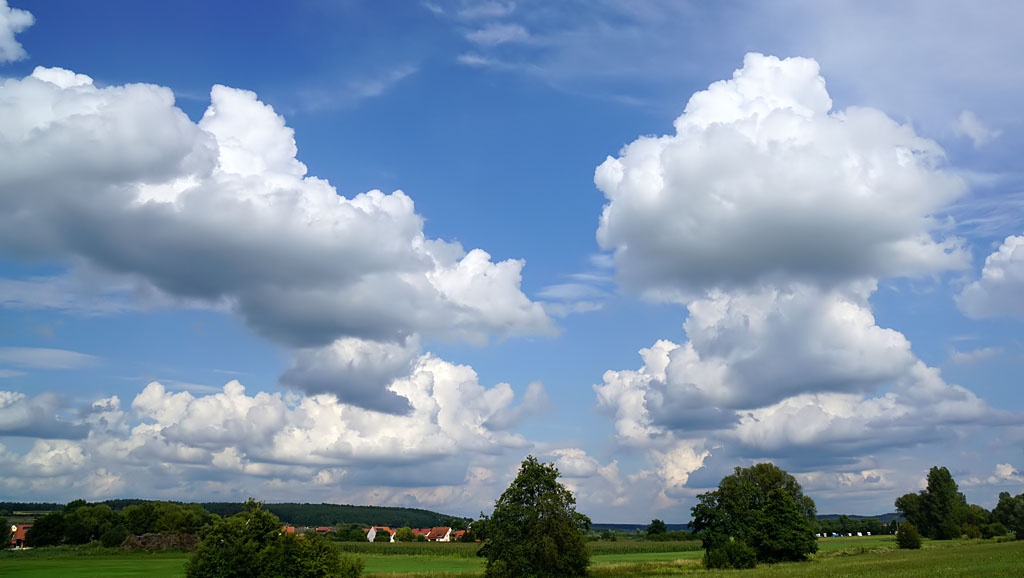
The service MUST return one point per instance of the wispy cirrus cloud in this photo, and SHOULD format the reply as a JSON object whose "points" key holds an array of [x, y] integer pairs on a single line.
{"points": [[45, 358]]}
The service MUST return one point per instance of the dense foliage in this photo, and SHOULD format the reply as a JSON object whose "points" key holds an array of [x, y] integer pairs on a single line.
{"points": [[847, 525], [250, 544], [907, 537], [1009, 513], [941, 512], [656, 527], [731, 554], [80, 522], [535, 530], [762, 507]]}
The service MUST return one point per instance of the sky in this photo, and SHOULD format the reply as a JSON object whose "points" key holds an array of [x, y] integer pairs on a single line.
{"points": [[378, 252]]}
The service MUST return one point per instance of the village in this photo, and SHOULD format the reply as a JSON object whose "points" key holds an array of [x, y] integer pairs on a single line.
{"points": [[435, 534]]}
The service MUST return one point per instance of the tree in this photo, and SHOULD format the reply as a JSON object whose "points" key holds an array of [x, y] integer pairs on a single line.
{"points": [[942, 502], [250, 544], [936, 510], [907, 537], [656, 527], [5, 532], [382, 536], [1010, 513], [762, 507], [535, 529], [405, 534], [47, 531]]}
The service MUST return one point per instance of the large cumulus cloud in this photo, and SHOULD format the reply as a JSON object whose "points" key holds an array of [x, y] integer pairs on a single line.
{"points": [[1001, 287], [772, 217], [180, 442], [761, 180], [221, 213]]}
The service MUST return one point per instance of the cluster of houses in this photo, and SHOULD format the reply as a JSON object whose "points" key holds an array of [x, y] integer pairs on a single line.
{"points": [[840, 535], [436, 534]]}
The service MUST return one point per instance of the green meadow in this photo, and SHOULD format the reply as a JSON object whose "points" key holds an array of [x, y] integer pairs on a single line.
{"points": [[875, 556]]}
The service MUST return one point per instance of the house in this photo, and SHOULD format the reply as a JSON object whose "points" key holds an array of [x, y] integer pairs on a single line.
{"points": [[457, 535], [372, 533], [440, 534], [421, 531], [288, 530], [18, 532], [324, 529]]}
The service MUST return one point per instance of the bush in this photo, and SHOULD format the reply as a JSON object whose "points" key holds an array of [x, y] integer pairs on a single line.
{"points": [[908, 537], [731, 554], [250, 544], [971, 531], [113, 537], [993, 530]]}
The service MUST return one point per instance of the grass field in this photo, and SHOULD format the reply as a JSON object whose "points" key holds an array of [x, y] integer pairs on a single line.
{"points": [[869, 557]]}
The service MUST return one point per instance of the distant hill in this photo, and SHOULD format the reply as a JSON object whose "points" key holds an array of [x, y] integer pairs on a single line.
{"points": [[635, 527], [290, 513], [883, 518]]}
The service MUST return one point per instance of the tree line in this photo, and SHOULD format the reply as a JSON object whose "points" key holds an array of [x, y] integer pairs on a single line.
{"points": [[941, 512], [79, 522], [300, 514]]}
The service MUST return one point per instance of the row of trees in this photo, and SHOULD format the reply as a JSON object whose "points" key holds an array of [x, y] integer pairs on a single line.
{"points": [[79, 522], [941, 511], [847, 525]]}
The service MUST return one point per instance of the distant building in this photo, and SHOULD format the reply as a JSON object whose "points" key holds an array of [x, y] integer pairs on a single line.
{"points": [[18, 532], [371, 533]]}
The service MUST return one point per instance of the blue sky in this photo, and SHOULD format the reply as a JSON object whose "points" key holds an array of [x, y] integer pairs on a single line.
{"points": [[648, 241]]}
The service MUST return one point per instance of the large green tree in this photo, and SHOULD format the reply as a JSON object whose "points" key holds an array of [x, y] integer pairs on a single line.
{"points": [[535, 530], [761, 506], [251, 544], [937, 510]]}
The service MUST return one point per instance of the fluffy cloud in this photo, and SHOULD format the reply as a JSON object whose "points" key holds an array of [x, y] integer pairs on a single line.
{"points": [[772, 217], [221, 213], [761, 181], [37, 416], [998, 292], [12, 21], [187, 443]]}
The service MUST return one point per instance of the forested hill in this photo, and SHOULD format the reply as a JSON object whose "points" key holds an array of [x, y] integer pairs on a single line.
{"points": [[331, 514], [883, 518], [290, 513]]}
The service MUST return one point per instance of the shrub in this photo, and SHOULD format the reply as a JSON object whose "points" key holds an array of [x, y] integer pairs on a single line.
{"points": [[993, 530], [971, 531], [908, 537], [731, 554], [113, 537]]}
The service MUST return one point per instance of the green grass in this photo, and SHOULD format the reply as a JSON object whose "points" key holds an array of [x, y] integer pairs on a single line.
{"points": [[114, 565], [869, 557]]}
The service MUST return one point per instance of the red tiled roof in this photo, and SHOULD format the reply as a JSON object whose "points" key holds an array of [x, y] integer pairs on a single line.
{"points": [[19, 532]]}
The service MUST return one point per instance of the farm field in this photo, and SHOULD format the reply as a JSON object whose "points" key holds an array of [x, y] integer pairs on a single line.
{"points": [[837, 557]]}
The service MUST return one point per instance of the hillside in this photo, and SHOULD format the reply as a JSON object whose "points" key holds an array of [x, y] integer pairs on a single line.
{"points": [[290, 513]]}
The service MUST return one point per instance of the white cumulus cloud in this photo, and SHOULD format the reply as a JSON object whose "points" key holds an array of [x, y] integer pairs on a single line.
{"points": [[998, 292], [763, 180], [12, 21], [221, 213]]}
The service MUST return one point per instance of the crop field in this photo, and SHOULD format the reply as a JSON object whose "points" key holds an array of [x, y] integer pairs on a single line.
{"points": [[869, 557]]}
